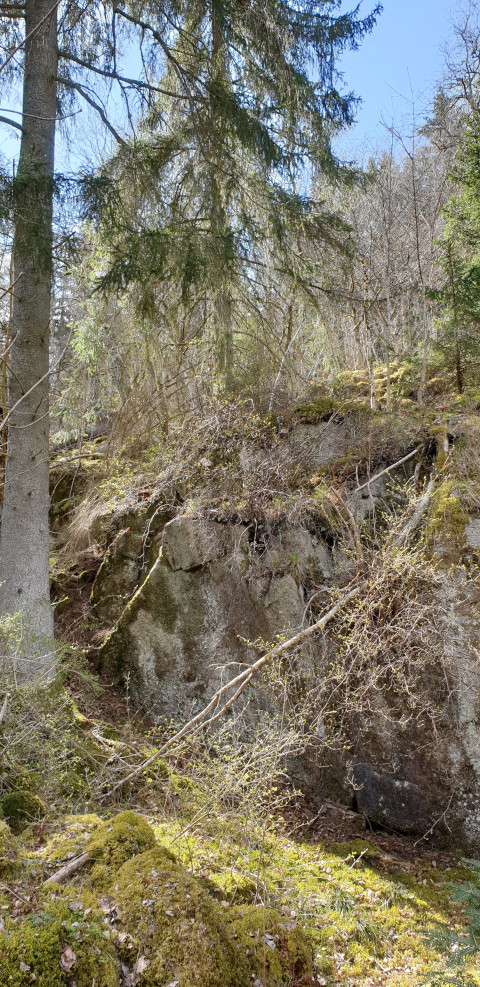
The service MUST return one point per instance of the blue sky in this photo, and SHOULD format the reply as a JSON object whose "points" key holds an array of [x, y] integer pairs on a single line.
{"points": [[402, 54]]}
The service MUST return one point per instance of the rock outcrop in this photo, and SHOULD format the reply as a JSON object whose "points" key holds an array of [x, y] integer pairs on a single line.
{"points": [[205, 601], [215, 589]]}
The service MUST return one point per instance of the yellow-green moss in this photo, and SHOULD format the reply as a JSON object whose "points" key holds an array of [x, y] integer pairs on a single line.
{"points": [[32, 946], [115, 842], [315, 411], [278, 949], [21, 808], [70, 837], [447, 520], [440, 434], [178, 927]]}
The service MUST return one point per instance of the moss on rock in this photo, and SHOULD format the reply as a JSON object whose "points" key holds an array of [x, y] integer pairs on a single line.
{"points": [[70, 837], [115, 842], [447, 521], [315, 411], [278, 950], [62, 942], [20, 808], [178, 927]]}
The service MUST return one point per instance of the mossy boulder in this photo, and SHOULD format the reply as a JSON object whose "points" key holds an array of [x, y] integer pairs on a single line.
{"points": [[62, 942], [184, 935], [116, 841], [176, 924], [447, 522], [21, 808], [278, 950], [312, 412], [66, 838]]}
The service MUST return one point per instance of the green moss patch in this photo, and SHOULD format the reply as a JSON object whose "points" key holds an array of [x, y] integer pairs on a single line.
{"points": [[115, 842], [363, 913], [8, 849], [63, 941], [21, 808]]}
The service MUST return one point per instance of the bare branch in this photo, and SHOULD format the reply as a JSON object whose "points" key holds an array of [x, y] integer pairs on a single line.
{"points": [[96, 106], [65, 872], [135, 83], [388, 469], [11, 123]]}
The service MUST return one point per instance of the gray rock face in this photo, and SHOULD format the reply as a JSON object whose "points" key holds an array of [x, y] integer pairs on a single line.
{"points": [[389, 799], [211, 593], [189, 624], [295, 549], [472, 533], [191, 542], [319, 444], [118, 576]]}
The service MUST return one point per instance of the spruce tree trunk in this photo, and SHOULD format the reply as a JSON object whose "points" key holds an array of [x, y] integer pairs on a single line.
{"points": [[222, 307], [24, 546]]}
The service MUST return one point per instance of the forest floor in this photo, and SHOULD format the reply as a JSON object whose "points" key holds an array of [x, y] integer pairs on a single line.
{"points": [[377, 907]]}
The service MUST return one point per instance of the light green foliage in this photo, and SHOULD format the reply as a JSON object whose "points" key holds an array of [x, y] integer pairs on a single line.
{"points": [[281, 950], [152, 910], [320, 409], [461, 947]]}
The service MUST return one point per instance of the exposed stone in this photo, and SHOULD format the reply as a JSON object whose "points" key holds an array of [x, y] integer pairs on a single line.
{"points": [[129, 557], [319, 444], [387, 799], [368, 499], [117, 578], [190, 618], [472, 533], [284, 604], [295, 550], [191, 542]]}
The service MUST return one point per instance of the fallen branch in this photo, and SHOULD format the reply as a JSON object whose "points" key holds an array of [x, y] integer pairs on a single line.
{"points": [[388, 469], [3, 710], [407, 533], [65, 872]]}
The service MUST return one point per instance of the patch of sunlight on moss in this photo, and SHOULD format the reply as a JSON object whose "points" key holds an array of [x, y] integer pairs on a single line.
{"points": [[359, 909]]}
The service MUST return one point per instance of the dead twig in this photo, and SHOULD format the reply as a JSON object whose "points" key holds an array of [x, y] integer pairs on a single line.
{"points": [[62, 875]]}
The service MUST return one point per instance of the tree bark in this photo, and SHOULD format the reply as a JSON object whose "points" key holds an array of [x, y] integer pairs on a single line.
{"points": [[24, 543]]}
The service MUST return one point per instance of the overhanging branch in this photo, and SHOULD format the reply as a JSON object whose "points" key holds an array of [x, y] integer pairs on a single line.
{"points": [[96, 106]]}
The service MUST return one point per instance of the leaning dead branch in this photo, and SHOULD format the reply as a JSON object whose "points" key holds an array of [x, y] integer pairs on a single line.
{"points": [[389, 469]]}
